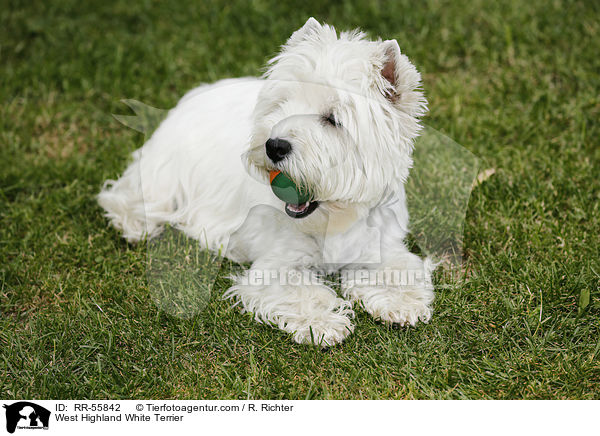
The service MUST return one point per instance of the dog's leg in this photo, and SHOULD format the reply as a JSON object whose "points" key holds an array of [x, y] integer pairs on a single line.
{"points": [[123, 202], [140, 202], [311, 313], [397, 288], [398, 291], [280, 288]]}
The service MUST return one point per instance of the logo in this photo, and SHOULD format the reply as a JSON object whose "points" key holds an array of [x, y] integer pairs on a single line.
{"points": [[26, 415]]}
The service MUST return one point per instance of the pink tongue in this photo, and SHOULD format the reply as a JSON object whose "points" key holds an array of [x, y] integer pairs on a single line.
{"points": [[297, 207]]}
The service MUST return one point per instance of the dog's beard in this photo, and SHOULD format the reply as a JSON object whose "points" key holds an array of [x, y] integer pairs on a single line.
{"points": [[336, 189]]}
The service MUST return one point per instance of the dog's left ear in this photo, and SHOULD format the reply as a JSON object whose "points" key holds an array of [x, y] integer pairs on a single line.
{"points": [[402, 84], [310, 28]]}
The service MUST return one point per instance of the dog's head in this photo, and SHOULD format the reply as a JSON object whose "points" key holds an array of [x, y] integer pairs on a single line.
{"points": [[338, 115]]}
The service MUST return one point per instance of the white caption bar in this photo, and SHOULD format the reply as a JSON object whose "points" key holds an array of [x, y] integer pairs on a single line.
{"points": [[44, 417]]}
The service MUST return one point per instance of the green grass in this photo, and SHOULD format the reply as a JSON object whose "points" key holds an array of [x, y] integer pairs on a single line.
{"points": [[516, 83]]}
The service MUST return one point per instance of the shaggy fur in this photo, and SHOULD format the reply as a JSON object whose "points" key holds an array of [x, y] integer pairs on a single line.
{"points": [[350, 109]]}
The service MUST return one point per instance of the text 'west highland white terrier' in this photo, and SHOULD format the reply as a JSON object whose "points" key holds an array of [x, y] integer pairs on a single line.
{"points": [[335, 118]]}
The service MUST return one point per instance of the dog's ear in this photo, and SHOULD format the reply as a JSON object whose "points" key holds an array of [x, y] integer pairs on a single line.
{"points": [[402, 84], [391, 51], [311, 27]]}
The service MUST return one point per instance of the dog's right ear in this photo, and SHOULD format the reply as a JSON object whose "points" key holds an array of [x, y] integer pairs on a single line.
{"points": [[311, 27]]}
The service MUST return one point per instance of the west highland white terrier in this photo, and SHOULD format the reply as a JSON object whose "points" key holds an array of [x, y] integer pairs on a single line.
{"points": [[337, 116]]}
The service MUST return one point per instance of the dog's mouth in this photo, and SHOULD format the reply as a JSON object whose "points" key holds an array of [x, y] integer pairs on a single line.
{"points": [[301, 210]]}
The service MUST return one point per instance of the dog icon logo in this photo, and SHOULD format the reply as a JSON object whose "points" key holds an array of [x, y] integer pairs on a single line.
{"points": [[26, 415]]}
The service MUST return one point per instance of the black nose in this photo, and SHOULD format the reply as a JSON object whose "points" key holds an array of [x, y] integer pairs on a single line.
{"points": [[277, 149]]}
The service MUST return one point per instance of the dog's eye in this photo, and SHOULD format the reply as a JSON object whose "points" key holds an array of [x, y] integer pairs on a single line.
{"points": [[330, 119]]}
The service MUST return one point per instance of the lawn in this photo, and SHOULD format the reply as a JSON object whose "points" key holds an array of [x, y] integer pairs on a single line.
{"points": [[517, 83]]}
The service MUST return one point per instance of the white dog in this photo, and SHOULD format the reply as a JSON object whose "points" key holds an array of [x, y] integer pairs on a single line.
{"points": [[339, 116]]}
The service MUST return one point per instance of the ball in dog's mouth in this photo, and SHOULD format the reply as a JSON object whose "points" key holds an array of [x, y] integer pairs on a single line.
{"points": [[298, 203]]}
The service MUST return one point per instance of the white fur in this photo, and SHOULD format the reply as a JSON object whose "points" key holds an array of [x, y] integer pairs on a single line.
{"points": [[205, 171]]}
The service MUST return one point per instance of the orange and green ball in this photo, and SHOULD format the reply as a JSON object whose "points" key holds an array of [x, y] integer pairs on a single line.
{"points": [[286, 190]]}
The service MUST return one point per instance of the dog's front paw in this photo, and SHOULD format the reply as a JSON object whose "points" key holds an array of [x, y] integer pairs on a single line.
{"points": [[396, 305], [402, 299], [323, 325], [312, 314]]}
